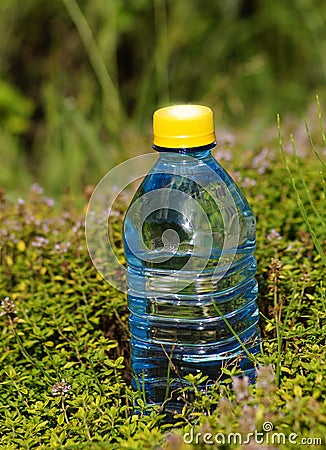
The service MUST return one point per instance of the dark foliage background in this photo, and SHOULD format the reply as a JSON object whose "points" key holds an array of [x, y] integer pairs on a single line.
{"points": [[79, 80]]}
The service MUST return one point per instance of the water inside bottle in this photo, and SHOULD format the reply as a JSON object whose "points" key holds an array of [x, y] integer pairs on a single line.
{"points": [[187, 303]]}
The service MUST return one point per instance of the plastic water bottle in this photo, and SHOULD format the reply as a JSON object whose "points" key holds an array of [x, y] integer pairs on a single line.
{"points": [[189, 238]]}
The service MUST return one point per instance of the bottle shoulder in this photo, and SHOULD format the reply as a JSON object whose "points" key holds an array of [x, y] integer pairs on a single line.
{"points": [[196, 177], [189, 210]]}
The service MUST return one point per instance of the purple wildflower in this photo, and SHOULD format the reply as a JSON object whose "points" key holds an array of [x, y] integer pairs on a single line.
{"points": [[225, 139], [40, 241], [77, 227], [60, 388], [13, 238], [266, 378], [62, 247], [262, 161], [224, 406], [45, 228], [3, 232], [114, 213], [247, 422], [274, 235], [241, 388], [174, 441], [32, 220], [48, 201], [36, 189], [248, 182], [223, 155], [8, 307], [236, 176], [20, 202]]}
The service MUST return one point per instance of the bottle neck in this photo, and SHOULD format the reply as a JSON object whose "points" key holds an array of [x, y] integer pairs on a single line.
{"points": [[185, 153]]}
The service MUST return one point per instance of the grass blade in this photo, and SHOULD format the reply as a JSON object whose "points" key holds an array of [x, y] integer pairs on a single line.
{"points": [[322, 132], [298, 197], [111, 94], [313, 145], [304, 184]]}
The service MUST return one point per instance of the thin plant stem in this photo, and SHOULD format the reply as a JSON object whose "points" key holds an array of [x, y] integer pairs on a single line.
{"points": [[109, 89], [298, 198], [277, 311], [291, 302], [143, 386], [63, 406], [321, 121], [323, 183], [323, 296], [141, 389], [86, 424], [235, 334], [25, 352], [168, 379], [303, 181], [311, 142], [168, 375], [161, 49]]}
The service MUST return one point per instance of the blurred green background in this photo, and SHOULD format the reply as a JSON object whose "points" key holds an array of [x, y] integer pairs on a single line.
{"points": [[79, 80]]}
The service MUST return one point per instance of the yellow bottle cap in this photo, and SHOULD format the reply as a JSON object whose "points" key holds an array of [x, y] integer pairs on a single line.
{"points": [[183, 126]]}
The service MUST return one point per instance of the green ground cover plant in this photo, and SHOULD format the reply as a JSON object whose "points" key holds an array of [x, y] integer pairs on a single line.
{"points": [[64, 347]]}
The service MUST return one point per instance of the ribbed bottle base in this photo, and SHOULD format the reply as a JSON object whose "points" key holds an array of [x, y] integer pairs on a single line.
{"points": [[160, 369]]}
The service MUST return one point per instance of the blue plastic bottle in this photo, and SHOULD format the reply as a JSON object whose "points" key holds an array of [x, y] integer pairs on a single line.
{"points": [[189, 237]]}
